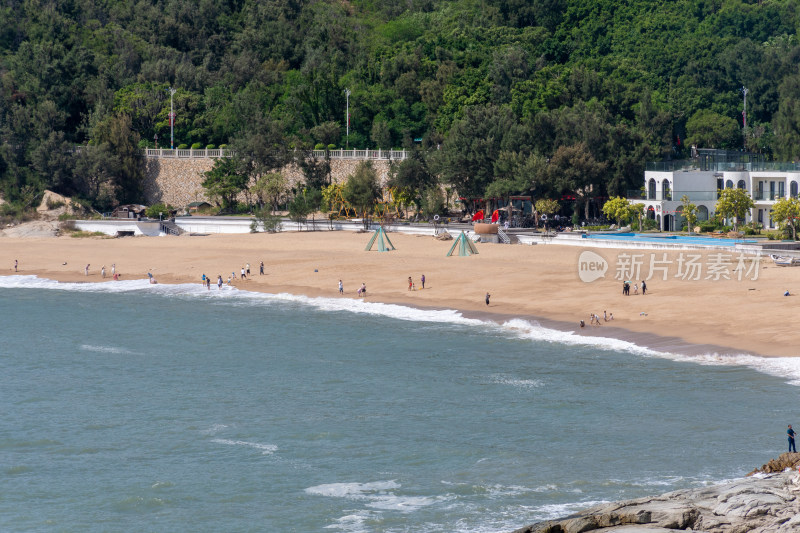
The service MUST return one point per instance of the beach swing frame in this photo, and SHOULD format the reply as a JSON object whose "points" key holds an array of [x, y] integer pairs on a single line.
{"points": [[465, 246], [382, 240]]}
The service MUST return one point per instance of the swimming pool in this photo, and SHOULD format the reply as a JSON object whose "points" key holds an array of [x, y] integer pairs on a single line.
{"points": [[655, 238]]}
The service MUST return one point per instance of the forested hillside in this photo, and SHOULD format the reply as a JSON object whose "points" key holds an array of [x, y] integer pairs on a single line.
{"points": [[518, 95]]}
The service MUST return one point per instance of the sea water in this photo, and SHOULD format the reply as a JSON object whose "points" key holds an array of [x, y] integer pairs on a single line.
{"points": [[130, 407]]}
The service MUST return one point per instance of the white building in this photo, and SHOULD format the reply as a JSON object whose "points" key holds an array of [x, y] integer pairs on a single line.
{"points": [[700, 178]]}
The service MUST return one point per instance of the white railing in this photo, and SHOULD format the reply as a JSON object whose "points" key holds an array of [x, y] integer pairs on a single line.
{"points": [[397, 155], [363, 154], [188, 153]]}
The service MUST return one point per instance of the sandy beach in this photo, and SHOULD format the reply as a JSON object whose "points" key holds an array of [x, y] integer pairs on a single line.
{"points": [[731, 308]]}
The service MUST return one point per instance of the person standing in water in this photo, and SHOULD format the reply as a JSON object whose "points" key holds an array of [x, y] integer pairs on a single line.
{"points": [[790, 433]]}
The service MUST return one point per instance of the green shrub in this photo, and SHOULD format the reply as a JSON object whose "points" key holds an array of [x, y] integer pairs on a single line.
{"points": [[331, 147], [223, 146], [265, 221], [649, 224], [156, 210], [197, 146], [707, 226], [211, 147], [182, 147], [319, 146]]}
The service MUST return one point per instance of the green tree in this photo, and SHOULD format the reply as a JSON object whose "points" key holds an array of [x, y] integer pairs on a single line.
{"points": [[224, 182], [617, 208], [299, 209], [362, 191], [574, 170], [269, 188], [689, 212], [786, 212], [265, 220], [734, 203], [546, 207], [708, 129], [472, 146], [158, 210], [432, 202]]}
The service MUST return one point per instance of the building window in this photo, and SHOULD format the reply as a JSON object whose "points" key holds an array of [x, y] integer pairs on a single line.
{"points": [[651, 189], [793, 189], [771, 191], [781, 189], [742, 184], [760, 216], [729, 184]]}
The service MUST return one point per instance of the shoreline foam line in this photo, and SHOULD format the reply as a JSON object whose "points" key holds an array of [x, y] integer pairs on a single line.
{"points": [[528, 328]]}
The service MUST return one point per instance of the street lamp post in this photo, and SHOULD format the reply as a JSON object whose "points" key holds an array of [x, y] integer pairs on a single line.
{"points": [[171, 120], [347, 118]]}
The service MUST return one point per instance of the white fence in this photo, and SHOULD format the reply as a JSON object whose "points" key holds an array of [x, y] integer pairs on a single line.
{"points": [[396, 155]]}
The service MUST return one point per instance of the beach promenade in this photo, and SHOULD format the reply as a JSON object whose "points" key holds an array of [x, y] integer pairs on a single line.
{"points": [[697, 302]]}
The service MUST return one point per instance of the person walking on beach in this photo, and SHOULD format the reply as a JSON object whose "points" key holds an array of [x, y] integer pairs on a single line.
{"points": [[423, 281], [248, 269], [86, 270], [261, 269], [624, 288], [233, 275], [635, 288], [605, 316], [644, 287], [409, 282], [487, 298], [16, 264], [103, 272], [113, 269], [341, 287], [244, 273], [790, 432]]}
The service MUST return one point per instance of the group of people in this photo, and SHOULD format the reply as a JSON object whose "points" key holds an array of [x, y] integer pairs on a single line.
{"points": [[626, 288], [103, 271], [412, 286], [594, 319], [244, 272]]}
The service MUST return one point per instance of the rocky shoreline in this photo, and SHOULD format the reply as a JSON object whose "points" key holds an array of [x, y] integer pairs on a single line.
{"points": [[767, 500]]}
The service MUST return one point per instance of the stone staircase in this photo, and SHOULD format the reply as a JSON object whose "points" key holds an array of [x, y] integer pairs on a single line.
{"points": [[170, 228]]}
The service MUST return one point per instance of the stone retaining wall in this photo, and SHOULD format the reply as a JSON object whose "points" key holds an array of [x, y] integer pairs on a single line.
{"points": [[179, 181]]}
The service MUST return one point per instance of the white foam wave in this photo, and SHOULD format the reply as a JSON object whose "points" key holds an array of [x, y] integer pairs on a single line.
{"points": [[355, 491], [784, 367], [214, 429], [515, 382], [105, 349], [266, 449], [376, 495], [555, 511]]}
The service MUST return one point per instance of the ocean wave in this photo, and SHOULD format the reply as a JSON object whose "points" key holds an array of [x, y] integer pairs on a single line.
{"points": [[783, 367], [379, 495], [266, 449], [105, 349]]}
